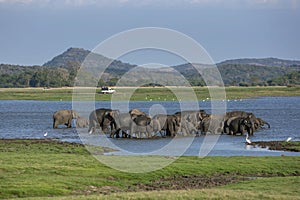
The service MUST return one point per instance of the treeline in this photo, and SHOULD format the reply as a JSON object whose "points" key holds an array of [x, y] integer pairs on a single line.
{"points": [[290, 79], [232, 75], [42, 78], [36, 76], [245, 75], [248, 79]]}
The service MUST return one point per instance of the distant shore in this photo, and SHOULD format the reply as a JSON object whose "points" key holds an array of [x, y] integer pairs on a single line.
{"points": [[145, 93]]}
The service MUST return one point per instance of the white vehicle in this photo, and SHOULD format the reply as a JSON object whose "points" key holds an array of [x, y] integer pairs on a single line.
{"points": [[107, 90]]}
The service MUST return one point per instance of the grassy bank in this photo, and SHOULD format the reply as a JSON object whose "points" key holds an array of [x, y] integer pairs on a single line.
{"points": [[44, 168], [144, 94], [279, 145]]}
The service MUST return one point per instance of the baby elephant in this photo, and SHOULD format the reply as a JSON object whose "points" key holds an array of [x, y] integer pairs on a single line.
{"points": [[82, 122], [240, 125], [64, 117]]}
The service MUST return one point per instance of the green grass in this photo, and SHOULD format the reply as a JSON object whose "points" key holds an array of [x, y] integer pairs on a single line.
{"points": [[250, 92], [34, 168], [146, 93], [279, 145], [291, 146], [263, 188], [273, 185]]}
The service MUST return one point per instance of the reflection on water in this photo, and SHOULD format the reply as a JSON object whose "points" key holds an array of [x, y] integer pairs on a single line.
{"points": [[32, 119]]}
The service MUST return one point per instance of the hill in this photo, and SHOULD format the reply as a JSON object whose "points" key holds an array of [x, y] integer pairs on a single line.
{"points": [[62, 70], [76, 56], [240, 74], [73, 55], [273, 62]]}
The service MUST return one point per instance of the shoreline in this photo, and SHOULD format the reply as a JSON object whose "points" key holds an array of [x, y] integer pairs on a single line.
{"points": [[146, 93], [292, 146]]}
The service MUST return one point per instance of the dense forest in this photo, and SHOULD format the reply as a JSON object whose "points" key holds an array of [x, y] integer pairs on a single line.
{"points": [[62, 71]]}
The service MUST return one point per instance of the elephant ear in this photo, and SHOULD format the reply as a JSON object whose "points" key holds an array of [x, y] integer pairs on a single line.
{"points": [[188, 118], [115, 112], [149, 120], [177, 121], [228, 122], [251, 116], [247, 122], [199, 116], [133, 117], [75, 114]]}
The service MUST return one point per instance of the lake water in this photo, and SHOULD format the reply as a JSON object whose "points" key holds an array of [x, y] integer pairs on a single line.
{"points": [[31, 119]]}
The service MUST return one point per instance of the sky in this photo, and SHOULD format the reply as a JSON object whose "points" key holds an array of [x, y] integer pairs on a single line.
{"points": [[32, 32]]}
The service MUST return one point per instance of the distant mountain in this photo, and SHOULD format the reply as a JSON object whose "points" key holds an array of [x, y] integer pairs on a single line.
{"points": [[76, 56], [273, 62], [246, 74], [238, 74], [71, 55]]}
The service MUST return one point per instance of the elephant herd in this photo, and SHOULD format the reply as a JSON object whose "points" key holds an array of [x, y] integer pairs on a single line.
{"points": [[138, 124]]}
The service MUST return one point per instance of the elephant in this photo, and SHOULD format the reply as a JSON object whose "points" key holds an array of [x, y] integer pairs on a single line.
{"points": [[168, 123], [81, 122], [129, 122], [97, 117], [227, 124], [64, 117], [242, 114], [122, 123], [260, 123], [212, 124], [141, 124], [190, 121], [240, 125]]}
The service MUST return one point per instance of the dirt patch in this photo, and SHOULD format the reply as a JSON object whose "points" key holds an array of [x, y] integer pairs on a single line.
{"points": [[178, 182], [279, 145], [98, 190]]}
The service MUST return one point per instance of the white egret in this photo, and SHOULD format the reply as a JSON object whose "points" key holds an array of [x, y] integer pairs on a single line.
{"points": [[45, 134], [247, 139], [288, 139]]}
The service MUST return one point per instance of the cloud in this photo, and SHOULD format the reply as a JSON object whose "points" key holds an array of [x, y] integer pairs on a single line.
{"points": [[267, 4]]}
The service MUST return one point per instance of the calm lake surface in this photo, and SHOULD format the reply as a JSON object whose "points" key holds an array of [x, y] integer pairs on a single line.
{"points": [[32, 119]]}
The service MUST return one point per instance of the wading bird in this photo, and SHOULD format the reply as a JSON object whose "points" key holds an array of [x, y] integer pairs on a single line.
{"points": [[247, 139], [288, 139]]}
